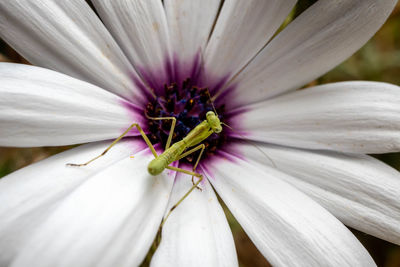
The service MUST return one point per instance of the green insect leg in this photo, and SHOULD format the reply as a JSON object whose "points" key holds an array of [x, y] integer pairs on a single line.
{"points": [[187, 193], [202, 147], [146, 139], [171, 131]]}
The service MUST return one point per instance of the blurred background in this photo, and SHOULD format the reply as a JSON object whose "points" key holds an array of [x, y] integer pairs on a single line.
{"points": [[378, 60]]}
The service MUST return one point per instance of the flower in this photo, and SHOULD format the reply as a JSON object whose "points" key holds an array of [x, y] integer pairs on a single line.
{"points": [[108, 213]]}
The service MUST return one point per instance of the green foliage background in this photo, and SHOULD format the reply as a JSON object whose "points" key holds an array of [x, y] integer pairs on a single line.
{"points": [[378, 60]]}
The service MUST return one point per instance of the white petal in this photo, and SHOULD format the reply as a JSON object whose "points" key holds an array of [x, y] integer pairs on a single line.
{"points": [[32, 193], [197, 232], [287, 227], [67, 36], [140, 27], [190, 23], [242, 29], [359, 190], [360, 117], [319, 39], [110, 220], [41, 107]]}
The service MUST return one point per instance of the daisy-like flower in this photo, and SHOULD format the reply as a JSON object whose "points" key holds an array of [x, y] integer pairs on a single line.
{"points": [[158, 58]]}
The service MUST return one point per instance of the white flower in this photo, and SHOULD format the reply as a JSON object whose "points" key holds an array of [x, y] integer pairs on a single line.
{"points": [[108, 213]]}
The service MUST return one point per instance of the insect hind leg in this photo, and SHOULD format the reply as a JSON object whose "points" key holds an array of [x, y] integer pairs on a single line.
{"points": [[187, 193], [159, 232], [202, 147], [192, 173], [146, 139]]}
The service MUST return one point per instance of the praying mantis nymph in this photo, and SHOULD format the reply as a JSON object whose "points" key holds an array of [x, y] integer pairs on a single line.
{"points": [[173, 153]]}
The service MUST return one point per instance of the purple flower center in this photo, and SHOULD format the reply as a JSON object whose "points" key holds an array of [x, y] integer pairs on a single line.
{"points": [[186, 92], [189, 104]]}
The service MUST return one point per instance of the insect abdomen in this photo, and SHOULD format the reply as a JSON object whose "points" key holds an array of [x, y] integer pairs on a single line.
{"points": [[157, 165], [172, 153]]}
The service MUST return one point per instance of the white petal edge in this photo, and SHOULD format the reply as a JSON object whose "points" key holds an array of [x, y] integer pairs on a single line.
{"points": [[40, 107], [190, 24], [242, 29], [67, 36], [287, 227], [197, 232], [141, 29], [357, 117], [319, 39], [30, 194], [359, 190], [109, 220]]}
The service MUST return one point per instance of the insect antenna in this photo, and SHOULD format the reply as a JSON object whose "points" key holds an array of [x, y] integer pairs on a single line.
{"points": [[212, 104], [252, 143], [244, 138]]}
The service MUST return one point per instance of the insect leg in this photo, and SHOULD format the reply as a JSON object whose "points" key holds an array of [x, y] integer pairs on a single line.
{"points": [[116, 140], [202, 147], [171, 131], [187, 193]]}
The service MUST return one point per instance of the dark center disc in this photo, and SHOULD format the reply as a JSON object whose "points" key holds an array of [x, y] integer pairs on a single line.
{"points": [[189, 105]]}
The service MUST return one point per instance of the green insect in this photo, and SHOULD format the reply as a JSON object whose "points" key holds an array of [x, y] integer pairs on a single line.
{"points": [[202, 131]]}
